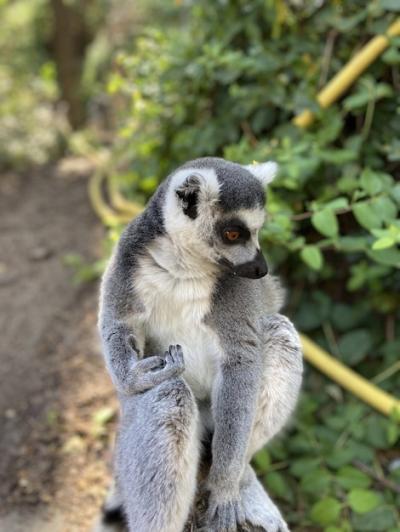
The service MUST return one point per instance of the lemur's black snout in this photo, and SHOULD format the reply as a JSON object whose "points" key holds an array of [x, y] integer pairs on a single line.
{"points": [[254, 269]]}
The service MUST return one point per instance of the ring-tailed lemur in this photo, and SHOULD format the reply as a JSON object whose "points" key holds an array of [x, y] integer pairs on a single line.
{"points": [[188, 279]]}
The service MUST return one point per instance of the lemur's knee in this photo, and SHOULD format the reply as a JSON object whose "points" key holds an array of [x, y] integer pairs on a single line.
{"points": [[175, 393], [158, 458], [280, 389], [282, 344]]}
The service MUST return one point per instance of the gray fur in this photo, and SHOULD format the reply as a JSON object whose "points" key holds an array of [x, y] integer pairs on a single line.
{"points": [[239, 188], [237, 374]]}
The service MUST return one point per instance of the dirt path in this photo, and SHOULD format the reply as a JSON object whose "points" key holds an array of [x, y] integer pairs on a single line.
{"points": [[56, 401]]}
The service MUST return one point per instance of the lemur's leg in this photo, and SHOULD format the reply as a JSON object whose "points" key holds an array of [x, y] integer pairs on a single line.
{"points": [[282, 380], [157, 457], [277, 400]]}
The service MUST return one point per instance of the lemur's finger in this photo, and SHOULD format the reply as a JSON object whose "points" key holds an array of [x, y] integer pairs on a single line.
{"points": [[152, 363], [177, 354], [240, 515], [174, 349], [181, 360], [169, 359], [132, 343]]}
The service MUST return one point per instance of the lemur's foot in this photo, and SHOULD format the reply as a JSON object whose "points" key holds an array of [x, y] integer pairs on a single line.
{"points": [[260, 511], [224, 516]]}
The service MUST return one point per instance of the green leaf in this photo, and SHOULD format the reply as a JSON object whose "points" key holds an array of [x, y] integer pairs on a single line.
{"points": [[326, 511], [390, 5], [366, 215], [148, 184], [384, 208], [352, 243], [317, 481], [355, 101], [338, 157], [301, 466], [312, 256], [379, 520], [388, 256], [361, 451], [376, 431], [363, 501], [391, 56], [370, 182], [395, 193], [262, 461], [349, 477], [354, 345], [338, 203], [383, 243], [278, 485], [339, 457], [346, 317], [308, 316], [325, 222]]}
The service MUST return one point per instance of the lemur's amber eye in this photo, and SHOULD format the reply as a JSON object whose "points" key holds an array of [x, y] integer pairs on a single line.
{"points": [[231, 235]]}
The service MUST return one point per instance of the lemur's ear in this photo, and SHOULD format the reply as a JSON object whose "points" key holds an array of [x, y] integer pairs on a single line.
{"points": [[188, 193], [264, 172]]}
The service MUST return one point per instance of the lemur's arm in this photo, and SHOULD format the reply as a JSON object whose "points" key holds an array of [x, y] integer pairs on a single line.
{"points": [[122, 343], [233, 409], [234, 405]]}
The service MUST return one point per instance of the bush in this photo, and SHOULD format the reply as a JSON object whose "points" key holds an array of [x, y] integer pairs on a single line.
{"points": [[29, 127], [228, 85]]}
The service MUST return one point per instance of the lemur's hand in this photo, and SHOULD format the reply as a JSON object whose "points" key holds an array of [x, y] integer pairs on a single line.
{"points": [[149, 372], [225, 512]]}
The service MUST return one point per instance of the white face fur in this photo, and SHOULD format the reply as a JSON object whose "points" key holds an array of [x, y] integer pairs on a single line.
{"points": [[204, 232]]}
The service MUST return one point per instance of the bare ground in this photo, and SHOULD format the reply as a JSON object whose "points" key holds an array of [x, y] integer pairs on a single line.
{"points": [[57, 407]]}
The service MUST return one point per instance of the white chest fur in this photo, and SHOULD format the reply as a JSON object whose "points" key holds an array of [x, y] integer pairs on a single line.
{"points": [[175, 307]]}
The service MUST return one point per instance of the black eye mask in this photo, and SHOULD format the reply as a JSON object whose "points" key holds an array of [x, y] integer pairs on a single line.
{"points": [[234, 225]]}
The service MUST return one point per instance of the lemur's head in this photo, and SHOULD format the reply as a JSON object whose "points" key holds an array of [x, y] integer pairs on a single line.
{"points": [[214, 209]]}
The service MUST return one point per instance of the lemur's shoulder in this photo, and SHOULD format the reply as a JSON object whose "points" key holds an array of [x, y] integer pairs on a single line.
{"points": [[274, 294], [237, 298]]}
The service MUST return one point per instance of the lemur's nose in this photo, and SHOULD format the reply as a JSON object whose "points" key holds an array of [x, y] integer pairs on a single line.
{"points": [[260, 265], [254, 269]]}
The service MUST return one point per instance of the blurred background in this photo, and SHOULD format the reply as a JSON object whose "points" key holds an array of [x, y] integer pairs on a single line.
{"points": [[99, 100]]}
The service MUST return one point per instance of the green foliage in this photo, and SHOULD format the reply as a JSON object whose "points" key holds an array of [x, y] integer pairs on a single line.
{"points": [[29, 128], [83, 271], [228, 84], [326, 511], [363, 501], [33, 121]]}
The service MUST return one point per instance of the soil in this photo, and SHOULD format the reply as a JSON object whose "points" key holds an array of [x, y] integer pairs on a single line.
{"points": [[57, 406]]}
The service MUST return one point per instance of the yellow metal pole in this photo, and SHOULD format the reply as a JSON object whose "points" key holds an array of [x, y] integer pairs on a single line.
{"points": [[120, 203], [347, 378], [107, 215], [349, 73]]}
